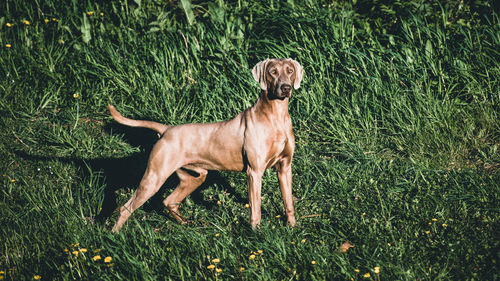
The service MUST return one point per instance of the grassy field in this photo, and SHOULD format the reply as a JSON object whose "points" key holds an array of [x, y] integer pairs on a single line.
{"points": [[397, 129]]}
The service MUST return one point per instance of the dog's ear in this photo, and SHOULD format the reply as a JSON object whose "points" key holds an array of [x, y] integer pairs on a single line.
{"points": [[299, 73], [259, 73]]}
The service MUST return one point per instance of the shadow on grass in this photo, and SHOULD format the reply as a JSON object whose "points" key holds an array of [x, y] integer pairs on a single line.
{"points": [[128, 171]]}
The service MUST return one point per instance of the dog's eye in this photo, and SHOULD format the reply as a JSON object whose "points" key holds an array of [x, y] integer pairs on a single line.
{"points": [[290, 70], [273, 71]]}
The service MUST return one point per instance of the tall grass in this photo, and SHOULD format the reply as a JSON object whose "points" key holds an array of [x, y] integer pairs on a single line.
{"points": [[396, 125]]}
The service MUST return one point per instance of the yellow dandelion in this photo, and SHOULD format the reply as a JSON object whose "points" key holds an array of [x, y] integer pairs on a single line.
{"points": [[83, 250], [278, 216], [429, 224], [247, 206], [218, 270], [75, 253], [26, 22], [66, 250], [101, 14], [252, 256], [1, 277], [303, 241], [2, 272], [313, 262], [217, 234], [444, 225], [216, 260], [9, 24], [293, 242], [367, 275], [46, 20], [219, 202], [376, 269], [211, 266], [96, 258], [241, 269], [76, 95], [434, 220], [54, 19], [37, 277], [260, 251], [89, 13], [388, 244], [427, 232], [108, 259], [356, 270], [12, 180], [77, 244], [363, 214]]}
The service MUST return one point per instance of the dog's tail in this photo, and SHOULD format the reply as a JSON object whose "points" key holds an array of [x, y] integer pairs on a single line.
{"points": [[158, 127]]}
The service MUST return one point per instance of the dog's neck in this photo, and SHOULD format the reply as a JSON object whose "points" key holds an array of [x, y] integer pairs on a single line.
{"points": [[276, 107]]}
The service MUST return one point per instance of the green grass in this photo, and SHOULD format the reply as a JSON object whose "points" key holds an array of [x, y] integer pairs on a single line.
{"points": [[396, 123]]}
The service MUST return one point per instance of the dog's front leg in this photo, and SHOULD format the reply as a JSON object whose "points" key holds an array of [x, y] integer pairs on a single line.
{"points": [[254, 195], [284, 171]]}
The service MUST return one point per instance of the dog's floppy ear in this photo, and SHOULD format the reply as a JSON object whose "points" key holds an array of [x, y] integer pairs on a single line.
{"points": [[299, 73], [259, 73]]}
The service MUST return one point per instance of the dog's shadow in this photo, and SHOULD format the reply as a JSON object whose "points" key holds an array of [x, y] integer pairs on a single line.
{"points": [[128, 171]]}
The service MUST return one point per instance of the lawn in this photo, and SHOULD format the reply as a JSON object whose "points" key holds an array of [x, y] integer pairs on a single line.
{"points": [[396, 125]]}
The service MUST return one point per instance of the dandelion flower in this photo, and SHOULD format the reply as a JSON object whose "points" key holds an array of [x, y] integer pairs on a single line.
{"points": [[216, 260], [429, 224], [54, 19], [444, 225], [101, 14], [293, 242], [247, 206], [434, 220], [83, 250], [252, 256], [8, 45], [217, 234], [76, 95], [26, 22], [241, 269], [211, 266], [37, 277], [75, 253], [108, 259], [313, 262], [376, 269], [12, 180], [9, 24], [303, 241], [427, 232], [96, 258], [219, 270], [46, 20], [66, 250], [356, 270], [278, 216], [367, 275], [89, 13], [260, 251], [2, 272], [219, 202]]}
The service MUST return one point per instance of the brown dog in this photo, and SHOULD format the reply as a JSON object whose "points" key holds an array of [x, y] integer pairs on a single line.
{"points": [[256, 139]]}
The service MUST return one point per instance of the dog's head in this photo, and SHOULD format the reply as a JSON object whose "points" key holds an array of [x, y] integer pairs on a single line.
{"points": [[276, 76]]}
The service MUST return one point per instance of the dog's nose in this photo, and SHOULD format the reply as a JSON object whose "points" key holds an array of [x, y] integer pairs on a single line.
{"points": [[286, 88]]}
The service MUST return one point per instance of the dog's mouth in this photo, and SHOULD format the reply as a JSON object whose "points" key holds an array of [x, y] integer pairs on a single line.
{"points": [[283, 91]]}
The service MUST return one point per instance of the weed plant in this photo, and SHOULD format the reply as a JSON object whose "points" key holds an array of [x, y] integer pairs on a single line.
{"points": [[396, 122]]}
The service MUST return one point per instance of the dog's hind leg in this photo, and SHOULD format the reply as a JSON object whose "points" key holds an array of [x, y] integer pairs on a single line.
{"points": [[191, 177], [160, 166]]}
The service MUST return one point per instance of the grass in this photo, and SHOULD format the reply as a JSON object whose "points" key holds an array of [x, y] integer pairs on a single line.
{"points": [[396, 126]]}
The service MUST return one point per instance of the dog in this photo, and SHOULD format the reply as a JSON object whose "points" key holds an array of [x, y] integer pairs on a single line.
{"points": [[258, 138]]}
